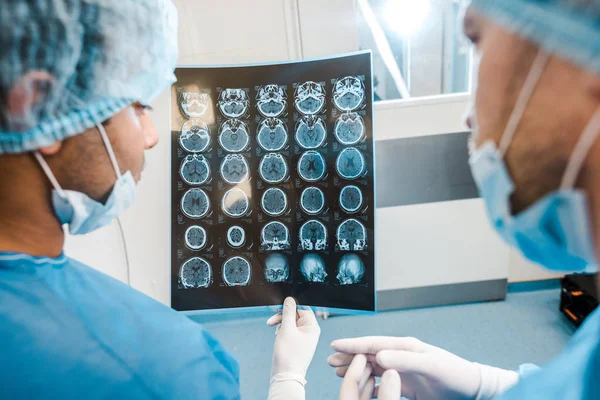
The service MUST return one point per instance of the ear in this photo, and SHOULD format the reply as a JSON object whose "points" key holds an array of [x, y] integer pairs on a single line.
{"points": [[50, 150]]}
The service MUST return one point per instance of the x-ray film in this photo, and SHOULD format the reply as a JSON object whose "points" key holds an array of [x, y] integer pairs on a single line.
{"points": [[273, 186]]}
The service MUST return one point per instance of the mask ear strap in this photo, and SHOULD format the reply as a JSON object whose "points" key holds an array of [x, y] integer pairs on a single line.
{"points": [[537, 68], [49, 174], [109, 149], [588, 137]]}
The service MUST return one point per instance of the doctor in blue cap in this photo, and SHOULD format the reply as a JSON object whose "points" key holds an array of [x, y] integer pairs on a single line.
{"points": [[535, 156], [76, 78]]}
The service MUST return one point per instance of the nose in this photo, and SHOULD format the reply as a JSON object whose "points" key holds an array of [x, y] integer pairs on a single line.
{"points": [[469, 122], [150, 133]]}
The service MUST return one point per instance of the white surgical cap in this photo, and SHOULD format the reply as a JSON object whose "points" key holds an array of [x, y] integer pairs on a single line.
{"points": [[567, 28], [86, 59]]}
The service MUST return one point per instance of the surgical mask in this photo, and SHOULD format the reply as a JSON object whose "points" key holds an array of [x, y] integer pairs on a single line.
{"points": [[83, 214], [556, 230]]}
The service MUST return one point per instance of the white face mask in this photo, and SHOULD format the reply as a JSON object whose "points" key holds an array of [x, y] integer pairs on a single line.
{"points": [[83, 214]]}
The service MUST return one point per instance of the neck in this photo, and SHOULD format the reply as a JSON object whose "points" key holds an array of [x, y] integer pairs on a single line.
{"points": [[27, 221]]}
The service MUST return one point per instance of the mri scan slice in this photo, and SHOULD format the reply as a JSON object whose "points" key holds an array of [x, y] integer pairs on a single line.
{"points": [[271, 100], [311, 132], [193, 105], [272, 134], [195, 203], [348, 93], [310, 98], [277, 268], [349, 129], [351, 235], [234, 169], [194, 169], [351, 269], [274, 202], [233, 103], [312, 267], [195, 237], [275, 236], [273, 168], [313, 236], [237, 271], [312, 200], [235, 203], [350, 163], [195, 273], [236, 236], [351, 199], [195, 136], [233, 136], [311, 166]]}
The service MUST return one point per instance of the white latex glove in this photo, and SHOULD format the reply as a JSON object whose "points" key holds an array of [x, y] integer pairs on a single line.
{"points": [[297, 337], [359, 384], [427, 372]]}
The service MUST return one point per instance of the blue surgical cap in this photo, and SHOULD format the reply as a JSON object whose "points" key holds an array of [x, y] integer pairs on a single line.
{"points": [[567, 28], [77, 63]]}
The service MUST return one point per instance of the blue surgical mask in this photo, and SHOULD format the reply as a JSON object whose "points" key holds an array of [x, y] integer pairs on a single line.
{"points": [[556, 230], [83, 214]]}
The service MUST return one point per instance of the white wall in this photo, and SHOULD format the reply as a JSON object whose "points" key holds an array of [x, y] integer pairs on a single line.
{"points": [[306, 28]]}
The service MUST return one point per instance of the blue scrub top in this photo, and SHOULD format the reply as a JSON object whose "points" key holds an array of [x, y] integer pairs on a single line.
{"points": [[574, 374], [68, 331]]}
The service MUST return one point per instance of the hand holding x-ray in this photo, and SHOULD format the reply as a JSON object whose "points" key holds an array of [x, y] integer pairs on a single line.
{"points": [[297, 337], [427, 372]]}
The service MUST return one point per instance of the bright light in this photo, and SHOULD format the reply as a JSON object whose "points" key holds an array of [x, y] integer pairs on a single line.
{"points": [[406, 16]]}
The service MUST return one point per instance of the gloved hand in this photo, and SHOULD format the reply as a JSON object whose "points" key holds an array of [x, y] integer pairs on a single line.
{"points": [[295, 345], [427, 372], [359, 384]]}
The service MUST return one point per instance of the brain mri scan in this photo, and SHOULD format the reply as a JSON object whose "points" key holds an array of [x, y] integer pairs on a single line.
{"points": [[274, 202], [273, 168], [236, 236], [351, 199], [312, 267], [312, 200], [233, 136], [195, 136], [350, 163], [236, 271], [233, 103], [348, 93], [193, 105], [351, 235], [195, 273], [234, 169], [351, 269], [310, 98], [195, 203], [271, 100], [235, 203], [313, 236], [272, 134], [195, 237], [311, 166], [277, 268], [194, 169], [311, 132], [349, 129], [275, 236]]}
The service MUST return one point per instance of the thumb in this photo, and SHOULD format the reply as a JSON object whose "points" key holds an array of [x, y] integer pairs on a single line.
{"points": [[288, 316], [405, 361], [390, 386]]}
